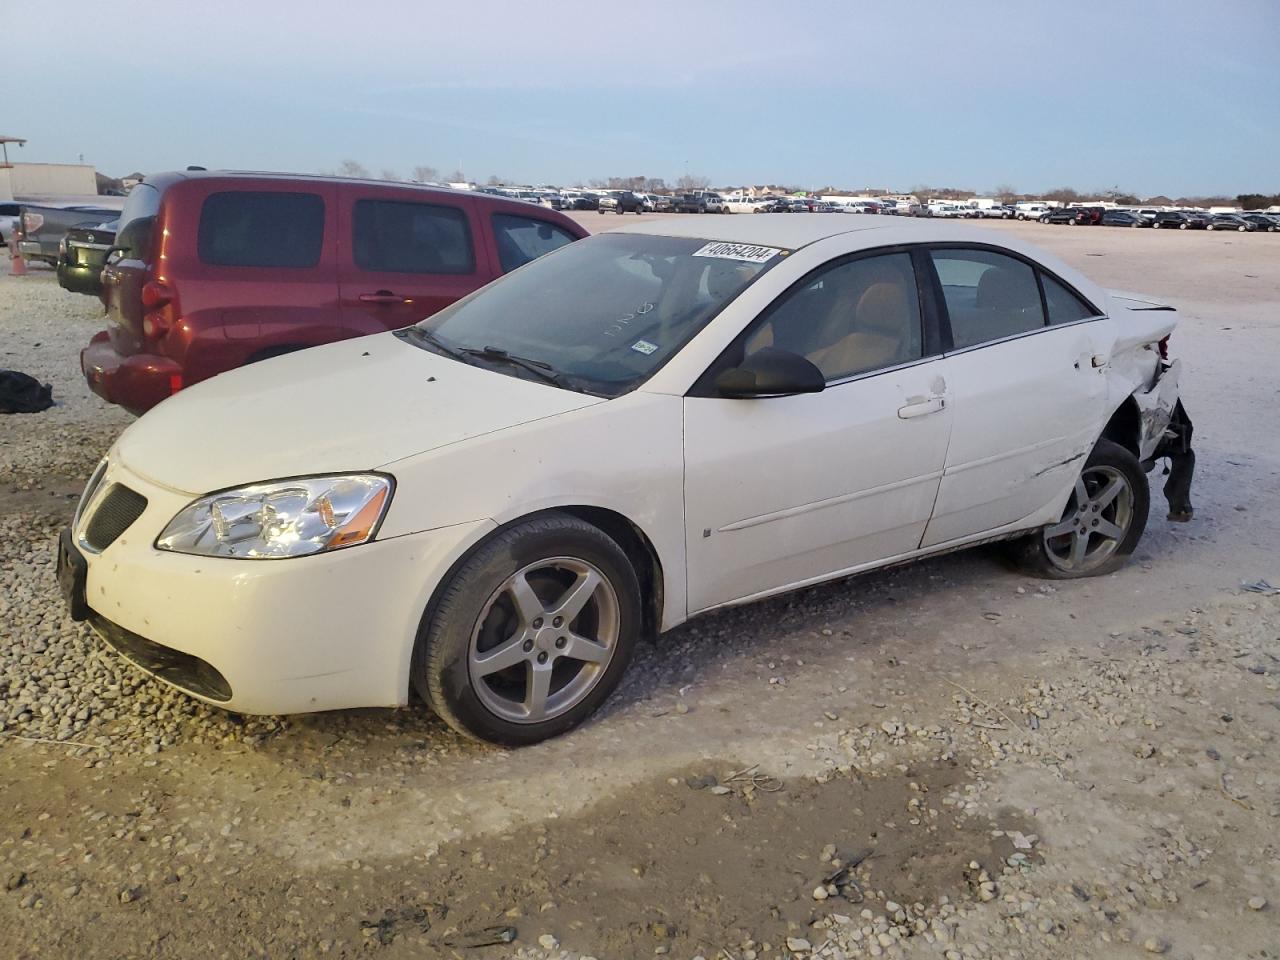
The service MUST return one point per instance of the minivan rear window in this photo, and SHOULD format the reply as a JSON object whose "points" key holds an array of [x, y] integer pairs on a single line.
{"points": [[260, 228], [391, 236]]}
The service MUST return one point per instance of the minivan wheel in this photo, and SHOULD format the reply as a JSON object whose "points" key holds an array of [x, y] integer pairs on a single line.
{"points": [[532, 634], [1103, 521], [1182, 226]]}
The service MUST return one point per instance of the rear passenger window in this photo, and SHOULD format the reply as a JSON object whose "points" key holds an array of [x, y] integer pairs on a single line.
{"points": [[521, 239], [1064, 306], [391, 236], [989, 296], [246, 228]]}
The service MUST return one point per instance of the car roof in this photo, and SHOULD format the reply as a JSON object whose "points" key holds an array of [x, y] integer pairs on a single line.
{"points": [[161, 180], [791, 232]]}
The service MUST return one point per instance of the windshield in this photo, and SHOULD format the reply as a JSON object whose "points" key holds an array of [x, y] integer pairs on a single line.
{"points": [[603, 313]]}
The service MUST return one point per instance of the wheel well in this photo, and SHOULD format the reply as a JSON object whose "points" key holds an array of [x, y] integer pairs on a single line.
{"points": [[639, 550], [637, 547], [1125, 426]]}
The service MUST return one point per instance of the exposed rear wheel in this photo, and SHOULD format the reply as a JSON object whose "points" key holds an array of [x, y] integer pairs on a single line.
{"points": [[1103, 521], [532, 634]]}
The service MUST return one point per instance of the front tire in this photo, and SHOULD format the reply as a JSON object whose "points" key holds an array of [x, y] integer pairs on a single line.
{"points": [[1101, 525], [532, 634]]}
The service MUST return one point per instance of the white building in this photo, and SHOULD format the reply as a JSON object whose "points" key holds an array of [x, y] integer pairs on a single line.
{"points": [[38, 181]]}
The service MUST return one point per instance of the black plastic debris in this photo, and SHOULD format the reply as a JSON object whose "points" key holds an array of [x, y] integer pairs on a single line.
{"points": [[21, 393]]}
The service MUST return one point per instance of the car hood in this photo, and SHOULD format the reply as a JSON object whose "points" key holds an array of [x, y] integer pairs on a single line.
{"points": [[355, 405]]}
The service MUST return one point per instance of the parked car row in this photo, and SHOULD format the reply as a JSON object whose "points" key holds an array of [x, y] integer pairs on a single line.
{"points": [[1163, 219]]}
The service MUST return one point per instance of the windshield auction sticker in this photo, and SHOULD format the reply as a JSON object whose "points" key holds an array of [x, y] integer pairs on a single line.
{"points": [[746, 252]]}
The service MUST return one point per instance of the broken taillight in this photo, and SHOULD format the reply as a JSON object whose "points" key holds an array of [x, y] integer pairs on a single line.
{"points": [[156, 293], [1163, 347], [155, 325]]}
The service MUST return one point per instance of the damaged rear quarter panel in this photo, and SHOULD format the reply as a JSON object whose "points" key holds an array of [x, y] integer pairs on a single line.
{"points": [[1135, 368]]}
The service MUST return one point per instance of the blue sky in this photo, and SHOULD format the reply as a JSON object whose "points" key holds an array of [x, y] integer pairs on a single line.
{"points": [[1180, 97]]}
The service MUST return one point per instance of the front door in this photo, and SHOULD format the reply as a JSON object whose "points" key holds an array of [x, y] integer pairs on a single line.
{"points": [[781, 491]]}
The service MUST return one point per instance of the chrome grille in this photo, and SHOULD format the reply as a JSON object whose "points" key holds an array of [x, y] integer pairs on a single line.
{"points": [[115, 511]]}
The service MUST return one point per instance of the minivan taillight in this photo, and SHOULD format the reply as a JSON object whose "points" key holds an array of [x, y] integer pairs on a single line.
{"points": [[155, 294], [31, 222]]}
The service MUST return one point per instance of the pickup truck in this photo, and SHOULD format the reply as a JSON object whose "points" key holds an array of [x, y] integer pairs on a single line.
{"points": [[41, 228]]}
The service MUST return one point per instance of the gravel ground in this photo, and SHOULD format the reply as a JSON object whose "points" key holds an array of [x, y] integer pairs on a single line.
{"points": [[42, 330], [945, 760]]}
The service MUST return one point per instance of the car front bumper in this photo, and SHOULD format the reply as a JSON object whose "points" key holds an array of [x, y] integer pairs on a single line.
{"points": [[324, 632], [136, 382]]}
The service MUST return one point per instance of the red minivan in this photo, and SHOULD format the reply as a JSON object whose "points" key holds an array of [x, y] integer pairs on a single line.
{"points": [[213, 270]]}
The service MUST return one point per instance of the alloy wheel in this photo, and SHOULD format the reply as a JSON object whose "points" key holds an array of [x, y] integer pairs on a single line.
{"points": [[544, 639], [1098, 517]]}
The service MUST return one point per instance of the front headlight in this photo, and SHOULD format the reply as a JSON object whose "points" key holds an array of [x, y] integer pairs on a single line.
{"points": [[284, 518]]}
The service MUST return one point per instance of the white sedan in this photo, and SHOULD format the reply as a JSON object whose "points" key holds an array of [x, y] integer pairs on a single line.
{"points": [[493, 506]]}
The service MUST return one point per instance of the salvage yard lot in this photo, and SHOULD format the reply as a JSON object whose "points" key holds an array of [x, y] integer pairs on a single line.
{"points": [[943, 757]]}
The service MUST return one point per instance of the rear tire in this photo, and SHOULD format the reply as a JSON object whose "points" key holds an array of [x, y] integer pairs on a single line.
{"points": [[510, 589], [1101, 525]]}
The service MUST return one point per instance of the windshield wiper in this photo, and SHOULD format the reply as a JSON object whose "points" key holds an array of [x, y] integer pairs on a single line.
{"points": [[538, 368], [428, 337]]}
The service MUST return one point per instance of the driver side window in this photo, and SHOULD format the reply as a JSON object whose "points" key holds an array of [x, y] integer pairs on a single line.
{"points": [[851, 318]]}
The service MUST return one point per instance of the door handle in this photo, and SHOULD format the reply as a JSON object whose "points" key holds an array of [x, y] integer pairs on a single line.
{"points": [[922, 407], [383, 296]]}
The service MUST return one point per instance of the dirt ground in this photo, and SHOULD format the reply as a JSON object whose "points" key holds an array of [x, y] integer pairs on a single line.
{"points": [[942, 760]]}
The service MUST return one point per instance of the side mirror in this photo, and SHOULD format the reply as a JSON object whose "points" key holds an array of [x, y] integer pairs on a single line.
{"points": [[770, 372]]}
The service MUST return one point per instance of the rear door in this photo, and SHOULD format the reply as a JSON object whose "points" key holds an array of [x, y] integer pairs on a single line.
{"points": [[409, 255], [1028, 394]]}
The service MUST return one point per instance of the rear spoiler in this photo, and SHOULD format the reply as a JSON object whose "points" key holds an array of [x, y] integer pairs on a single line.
{"points": [[1137, 301]]}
